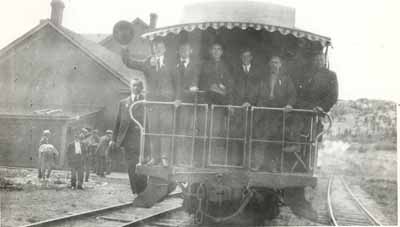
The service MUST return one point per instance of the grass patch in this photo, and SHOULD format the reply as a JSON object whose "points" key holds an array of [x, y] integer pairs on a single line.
{"points": [[384, 192]]}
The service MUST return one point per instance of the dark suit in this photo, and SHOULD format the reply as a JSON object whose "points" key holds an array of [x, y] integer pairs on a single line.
{"points": [[75, 161], [184, 78], [159, 87], [247, 84], [216, 73], [284, 92], [317, 88], [102, 153], [127, 137]]}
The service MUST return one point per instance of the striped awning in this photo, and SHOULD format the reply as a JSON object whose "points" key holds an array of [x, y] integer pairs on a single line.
{"points": [[176, 29]]}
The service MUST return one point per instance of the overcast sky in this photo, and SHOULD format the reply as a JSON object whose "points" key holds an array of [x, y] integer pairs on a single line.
{"points": [[364, 33]]}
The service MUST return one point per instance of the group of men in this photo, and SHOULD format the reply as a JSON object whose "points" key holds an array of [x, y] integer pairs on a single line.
{"points": [[89, 152], [246, 84]]}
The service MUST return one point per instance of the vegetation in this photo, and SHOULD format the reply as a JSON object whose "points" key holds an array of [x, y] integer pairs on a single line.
{"points": [[366, 122]]}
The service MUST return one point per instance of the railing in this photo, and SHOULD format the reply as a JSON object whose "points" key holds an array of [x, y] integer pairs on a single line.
{"points": [[203, 136]]}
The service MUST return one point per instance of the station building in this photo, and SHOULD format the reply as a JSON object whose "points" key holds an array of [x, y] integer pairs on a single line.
{"points": [[53, 78]]}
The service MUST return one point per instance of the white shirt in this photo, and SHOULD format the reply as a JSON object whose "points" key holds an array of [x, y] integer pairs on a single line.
{"points": [[160, 61], [185, 62], [246, 68], [78, 147], [133, 96]]}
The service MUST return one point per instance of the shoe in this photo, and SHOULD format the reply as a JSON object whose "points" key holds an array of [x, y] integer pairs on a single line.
{"points": [[73, 187], [164, 162], [80, 187]]}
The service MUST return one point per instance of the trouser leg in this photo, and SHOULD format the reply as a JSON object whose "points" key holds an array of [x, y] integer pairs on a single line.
{"points": [[73, 176], [87, 168], [99, 165], [102, 165], [49, 171], [80, 175]]}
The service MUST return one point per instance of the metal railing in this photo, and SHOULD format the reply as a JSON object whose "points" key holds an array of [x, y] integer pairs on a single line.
{"points": [[221, 121]]}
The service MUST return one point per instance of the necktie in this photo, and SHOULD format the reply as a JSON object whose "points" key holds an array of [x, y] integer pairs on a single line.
{"points": [[158, 64]]}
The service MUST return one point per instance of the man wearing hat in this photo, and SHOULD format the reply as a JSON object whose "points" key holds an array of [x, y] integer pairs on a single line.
{"points": [[102, 152], [75, 156], [127, 134]]}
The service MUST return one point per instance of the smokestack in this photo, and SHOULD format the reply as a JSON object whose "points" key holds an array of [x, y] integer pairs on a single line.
{"points": [[57, 8], [153, 20]]}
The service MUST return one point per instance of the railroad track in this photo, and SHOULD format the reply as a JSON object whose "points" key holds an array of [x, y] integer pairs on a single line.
{"points": [[345, 208], [121, 215]]}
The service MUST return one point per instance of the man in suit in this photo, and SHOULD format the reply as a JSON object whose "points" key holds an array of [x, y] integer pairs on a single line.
{"points": [[186, 78], [248, 77], [75, 155], [277, 90], [216, 78], [159, 82], [102, 152], [186, 75], [127, 134], [318, 89]]}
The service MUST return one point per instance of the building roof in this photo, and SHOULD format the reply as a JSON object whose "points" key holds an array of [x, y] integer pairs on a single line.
{"points": [[105, 58], [48, 112], [95, 37]]}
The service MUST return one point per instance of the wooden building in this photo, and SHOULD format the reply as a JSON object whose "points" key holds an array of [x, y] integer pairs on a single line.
{"points": [[53, 68]]}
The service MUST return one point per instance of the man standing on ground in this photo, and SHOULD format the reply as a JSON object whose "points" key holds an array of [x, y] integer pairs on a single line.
{"points": [[127, 134], [75, 154], [102, 152]]}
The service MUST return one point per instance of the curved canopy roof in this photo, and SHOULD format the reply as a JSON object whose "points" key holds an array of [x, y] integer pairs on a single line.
{"points": [[176, 29], [238, 14]]}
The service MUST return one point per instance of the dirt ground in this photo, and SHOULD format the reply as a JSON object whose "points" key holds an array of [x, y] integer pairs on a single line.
{"points": [[29, 200], [375, 171]]}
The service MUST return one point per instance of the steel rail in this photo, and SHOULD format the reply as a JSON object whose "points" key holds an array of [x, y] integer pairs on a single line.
{"points": [[330, 208], [53, 221], [359, 203], [147, 217]]}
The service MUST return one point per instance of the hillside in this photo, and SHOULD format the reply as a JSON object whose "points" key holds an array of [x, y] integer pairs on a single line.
{"points": [[364, 120]]}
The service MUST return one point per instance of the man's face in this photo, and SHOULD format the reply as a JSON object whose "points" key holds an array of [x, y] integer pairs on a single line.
{"points": [[319, 61], [275, 64], [246, 58], [185, 51], [159, 49], [216, 52], [136, 87], [81, 136]]}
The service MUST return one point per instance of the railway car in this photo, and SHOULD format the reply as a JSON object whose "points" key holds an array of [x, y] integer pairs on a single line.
{"points": [[228, 162]]}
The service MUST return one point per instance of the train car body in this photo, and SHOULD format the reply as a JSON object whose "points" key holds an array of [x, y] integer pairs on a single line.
{"points": [[232, 159]]}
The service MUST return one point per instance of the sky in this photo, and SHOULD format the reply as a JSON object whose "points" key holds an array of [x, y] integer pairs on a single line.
{"points": [[364, 33]]}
